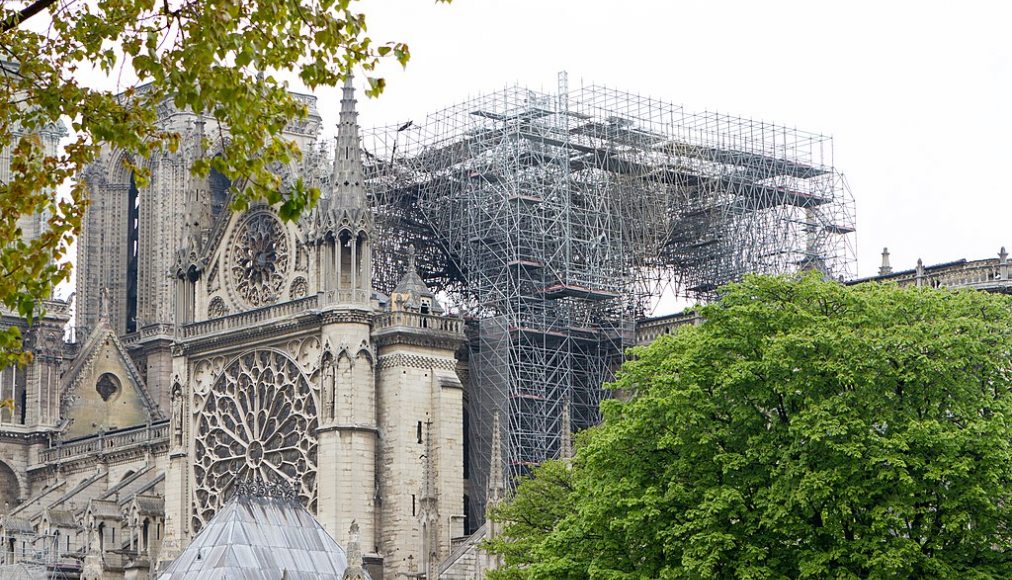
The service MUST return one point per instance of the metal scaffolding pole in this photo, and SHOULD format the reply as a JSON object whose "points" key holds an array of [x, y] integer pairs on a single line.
{"points": [[551, 221]]}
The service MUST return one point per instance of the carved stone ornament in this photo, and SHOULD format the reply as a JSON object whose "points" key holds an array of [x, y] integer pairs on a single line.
{"points": [[259, 259], [258, 421], [217, 308], [299, 289]]}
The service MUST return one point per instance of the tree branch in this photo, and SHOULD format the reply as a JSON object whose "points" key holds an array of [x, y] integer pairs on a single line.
{"points": [[15, 20]]}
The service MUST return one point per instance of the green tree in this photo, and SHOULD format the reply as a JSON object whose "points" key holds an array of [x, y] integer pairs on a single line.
{"points": [[806, 430], [215, 57]]}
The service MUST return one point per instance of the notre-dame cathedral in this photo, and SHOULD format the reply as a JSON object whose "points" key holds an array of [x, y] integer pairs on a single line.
{"points": [[126, 439]]}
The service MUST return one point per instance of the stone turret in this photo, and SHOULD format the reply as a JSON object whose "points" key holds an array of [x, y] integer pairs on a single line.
{"points": [[411, 293], [421, 418]]}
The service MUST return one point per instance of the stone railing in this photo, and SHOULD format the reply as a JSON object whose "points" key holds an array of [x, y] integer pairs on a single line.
{"points": [[979, 274], [150, 331], [421, 321], [651, 329], [108, 441], [251, 318], [974, 274], [346, 297]]}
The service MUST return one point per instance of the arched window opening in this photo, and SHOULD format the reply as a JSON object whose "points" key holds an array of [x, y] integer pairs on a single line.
{"points": [[361, 254], [10, 489], [219, 186], [133, 252], [344, 247]]}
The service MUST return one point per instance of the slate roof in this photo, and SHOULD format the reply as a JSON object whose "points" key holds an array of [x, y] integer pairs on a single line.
{"points": [[105, 509], [254, 537], [18, 525], [149, 505], [62, 518], [413, 287]]}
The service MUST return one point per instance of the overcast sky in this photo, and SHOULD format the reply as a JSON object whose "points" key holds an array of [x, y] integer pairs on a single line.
{"points": [[917, 95]]}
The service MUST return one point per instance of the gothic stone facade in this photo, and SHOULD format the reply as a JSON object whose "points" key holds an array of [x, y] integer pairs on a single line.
{"points": [[217, 347]]}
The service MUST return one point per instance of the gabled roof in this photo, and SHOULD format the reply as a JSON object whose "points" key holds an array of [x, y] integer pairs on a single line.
{"points": [[261, 537], [104, 509], [148, 505], [61, 518], [85, 360], [18, 525]]}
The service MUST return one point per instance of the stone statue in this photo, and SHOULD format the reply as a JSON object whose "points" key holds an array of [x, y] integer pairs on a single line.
{"points": [[177, 414], [327, 375]]}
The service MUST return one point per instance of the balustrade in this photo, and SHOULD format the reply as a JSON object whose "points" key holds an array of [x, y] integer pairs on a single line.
{"points": [[104, 442], [422, 321]]}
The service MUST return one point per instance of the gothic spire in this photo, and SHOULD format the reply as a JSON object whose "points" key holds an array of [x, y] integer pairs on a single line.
{"points": [[347, 180], [430, 507], [429, 485], [566, 436], [496, 486]]}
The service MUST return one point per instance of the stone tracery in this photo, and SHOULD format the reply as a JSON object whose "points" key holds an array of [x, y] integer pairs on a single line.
{"points": [[259, 259], [258, 421]]}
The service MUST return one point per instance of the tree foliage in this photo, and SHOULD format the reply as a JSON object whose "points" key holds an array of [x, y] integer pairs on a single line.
{"points": [[805, 430], [221, 58]]}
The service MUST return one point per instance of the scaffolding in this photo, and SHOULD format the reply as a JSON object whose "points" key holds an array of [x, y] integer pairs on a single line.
{"points": [[553, 221]]}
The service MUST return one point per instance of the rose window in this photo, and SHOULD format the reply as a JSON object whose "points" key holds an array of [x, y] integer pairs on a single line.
{"points": [[257, 422], [259, 259]]}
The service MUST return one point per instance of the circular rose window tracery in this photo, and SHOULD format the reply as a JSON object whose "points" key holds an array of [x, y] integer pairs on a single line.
{"points": [[257, 422], [259, 261]]}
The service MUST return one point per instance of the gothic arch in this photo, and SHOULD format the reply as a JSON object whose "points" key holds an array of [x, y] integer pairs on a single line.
{"points": [[344, 353], [11, 487], [365, 354], [117, 171]]}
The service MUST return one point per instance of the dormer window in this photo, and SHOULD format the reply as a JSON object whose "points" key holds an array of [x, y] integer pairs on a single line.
{"points": [[426, 305]]}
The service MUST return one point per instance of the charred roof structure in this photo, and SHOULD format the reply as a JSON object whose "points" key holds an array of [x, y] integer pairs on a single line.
{"points": [[553, 221]]}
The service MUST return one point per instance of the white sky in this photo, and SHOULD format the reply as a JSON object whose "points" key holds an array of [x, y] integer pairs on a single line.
{"points": [[917, 95]]}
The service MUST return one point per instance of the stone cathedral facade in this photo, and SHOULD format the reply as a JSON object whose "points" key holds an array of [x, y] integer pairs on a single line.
{"points": [[213, 347]]}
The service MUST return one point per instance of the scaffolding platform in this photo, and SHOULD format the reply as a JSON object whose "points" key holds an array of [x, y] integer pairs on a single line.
{"points": [[554, 219], [573, 291]]}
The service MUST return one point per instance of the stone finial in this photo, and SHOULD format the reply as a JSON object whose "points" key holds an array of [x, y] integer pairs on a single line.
{"points": [[354, 546], [1003, 255], [355, 570], [885, 269], [919, 272], [496, 487], [1003, 263]]}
